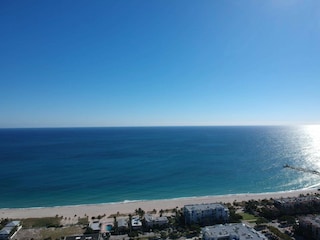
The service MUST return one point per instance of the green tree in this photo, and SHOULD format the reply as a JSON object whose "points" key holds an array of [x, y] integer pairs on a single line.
{"points": [[233, 216], [261, 220], [251, 206], [164, 235]]}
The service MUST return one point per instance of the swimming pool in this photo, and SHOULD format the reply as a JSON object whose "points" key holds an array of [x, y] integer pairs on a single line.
{"points": [[108, 228]]}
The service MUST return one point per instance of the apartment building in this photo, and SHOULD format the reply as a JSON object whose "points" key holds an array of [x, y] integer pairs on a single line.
{"points": [[206, 214]]}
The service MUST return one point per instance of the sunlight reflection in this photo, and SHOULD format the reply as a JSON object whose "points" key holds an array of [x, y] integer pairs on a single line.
{"points": [[312, 149]]}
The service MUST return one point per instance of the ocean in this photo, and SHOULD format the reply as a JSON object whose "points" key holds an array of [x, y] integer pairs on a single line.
{"points": [[73, 166]]}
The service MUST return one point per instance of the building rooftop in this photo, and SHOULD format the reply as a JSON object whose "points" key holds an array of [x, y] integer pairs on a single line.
{"points": [[13, 224], [9, 228], [312, 219], [5, 231], [122, 222], [136, 222], [150, 218], [95, 226], [237, 231], [203, 206]]}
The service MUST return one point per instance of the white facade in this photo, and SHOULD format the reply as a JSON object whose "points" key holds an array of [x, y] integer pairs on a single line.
{"points": [[205, 213], [95, 226], [136, 223]]}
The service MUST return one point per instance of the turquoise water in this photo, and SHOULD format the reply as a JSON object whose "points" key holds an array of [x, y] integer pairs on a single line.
{"points": [[71, 166]]}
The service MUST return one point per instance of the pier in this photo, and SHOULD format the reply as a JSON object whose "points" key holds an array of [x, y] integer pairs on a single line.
{"points": [[302, 169]]}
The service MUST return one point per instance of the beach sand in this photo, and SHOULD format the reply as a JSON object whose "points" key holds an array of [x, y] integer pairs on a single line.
{"points": [[73, 212]]}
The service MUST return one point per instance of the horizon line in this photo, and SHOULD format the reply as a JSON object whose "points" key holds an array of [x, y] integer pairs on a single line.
{"points": [[160, 126]]}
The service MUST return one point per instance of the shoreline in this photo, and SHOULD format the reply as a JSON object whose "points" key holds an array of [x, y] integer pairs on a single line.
{"points": [[126, 207], [310, 189]]}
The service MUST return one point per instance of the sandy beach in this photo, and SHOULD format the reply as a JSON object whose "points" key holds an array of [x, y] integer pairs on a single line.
{"points": [[129, 207]]}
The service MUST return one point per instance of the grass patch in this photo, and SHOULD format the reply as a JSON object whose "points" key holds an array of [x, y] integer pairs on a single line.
{"points": [[83, 221], [58, 233], [41, 222], [248, 217]]}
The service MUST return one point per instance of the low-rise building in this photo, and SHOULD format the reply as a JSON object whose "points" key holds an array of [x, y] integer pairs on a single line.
{"points": [[206, 214], [122, 225], [151, 221], [5, 233], [10, 230], [95, 226], [236, 231], [298, 205], [119, 226], [136, 223]]}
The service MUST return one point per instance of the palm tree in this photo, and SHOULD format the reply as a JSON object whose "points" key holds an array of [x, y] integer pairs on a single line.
{"points": [[130, 223], [161, 212], [139, 212], [115, 225]]}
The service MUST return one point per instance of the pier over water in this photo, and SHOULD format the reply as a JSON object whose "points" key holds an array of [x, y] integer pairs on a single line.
{"points": [[302, 169]]}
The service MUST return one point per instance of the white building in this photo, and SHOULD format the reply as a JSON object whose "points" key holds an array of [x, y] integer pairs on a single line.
{"points": [[136, 223], [205, 214], [95, 226], [151, 220], [236, 231]]}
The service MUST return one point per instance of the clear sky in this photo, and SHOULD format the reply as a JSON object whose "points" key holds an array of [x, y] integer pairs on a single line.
{"points": [[159, 62]]}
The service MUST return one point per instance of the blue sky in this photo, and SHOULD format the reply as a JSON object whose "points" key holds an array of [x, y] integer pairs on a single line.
{"points": [[153, 63]]}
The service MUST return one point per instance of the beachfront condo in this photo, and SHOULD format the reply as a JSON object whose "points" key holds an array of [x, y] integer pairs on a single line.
{"points": [[206, 214]]}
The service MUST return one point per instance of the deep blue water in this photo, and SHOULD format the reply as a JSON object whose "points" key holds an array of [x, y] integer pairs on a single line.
{"points": [[70, 166]]}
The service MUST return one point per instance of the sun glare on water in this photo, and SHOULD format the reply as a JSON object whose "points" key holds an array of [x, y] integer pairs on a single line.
{"points": [[312, 145]]}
